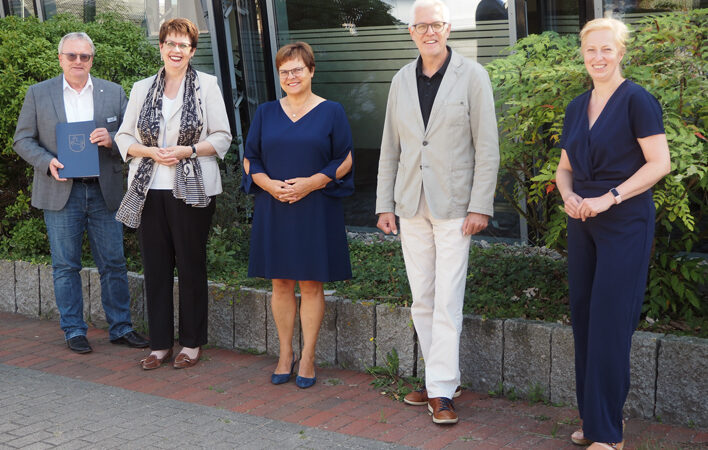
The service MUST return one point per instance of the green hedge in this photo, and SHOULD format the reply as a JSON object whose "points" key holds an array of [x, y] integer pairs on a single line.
{"points": [[667, 54], [28, 55]]}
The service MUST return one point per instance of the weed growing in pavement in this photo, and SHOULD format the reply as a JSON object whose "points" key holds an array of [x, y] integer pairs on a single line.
{"points": [[570, 421], [333, 381], [498, 391], [382, 416], [541, 418], [537, 394], [217, 389], [251, 351], [554, 430], [387, 379], [512, 395]]}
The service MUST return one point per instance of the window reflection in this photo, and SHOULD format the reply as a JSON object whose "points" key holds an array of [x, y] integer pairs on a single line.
{"points": [[147, 14], [21, 8], [631, 11]]}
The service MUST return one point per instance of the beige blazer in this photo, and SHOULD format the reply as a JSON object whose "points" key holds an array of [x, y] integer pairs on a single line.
{"points": [[216, 127], [454, 160]]}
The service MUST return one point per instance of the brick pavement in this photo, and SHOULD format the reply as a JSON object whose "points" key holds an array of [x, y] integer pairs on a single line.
{"points": [[342, 409]]}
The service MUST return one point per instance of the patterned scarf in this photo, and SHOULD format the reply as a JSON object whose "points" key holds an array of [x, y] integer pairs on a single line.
{"points": [[189, 183]]}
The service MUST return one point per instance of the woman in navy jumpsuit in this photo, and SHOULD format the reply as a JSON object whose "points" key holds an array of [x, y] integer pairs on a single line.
{"points": [[613, 151]]}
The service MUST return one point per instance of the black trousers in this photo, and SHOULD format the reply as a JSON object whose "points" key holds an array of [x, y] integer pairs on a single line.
{"points": [[172, 232]]}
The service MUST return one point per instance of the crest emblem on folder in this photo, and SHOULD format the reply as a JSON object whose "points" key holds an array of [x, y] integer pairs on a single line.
{"points": [[77, 142]]}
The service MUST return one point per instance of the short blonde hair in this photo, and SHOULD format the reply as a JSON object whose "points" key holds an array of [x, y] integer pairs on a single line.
{"points": [[618, 28]]}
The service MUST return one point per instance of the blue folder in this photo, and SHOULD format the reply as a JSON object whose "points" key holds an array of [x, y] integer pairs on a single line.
{"points": [[75, 150]]}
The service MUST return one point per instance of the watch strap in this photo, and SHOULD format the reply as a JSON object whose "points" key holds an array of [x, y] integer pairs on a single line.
{"points": [[194, 152], [616, 194]]}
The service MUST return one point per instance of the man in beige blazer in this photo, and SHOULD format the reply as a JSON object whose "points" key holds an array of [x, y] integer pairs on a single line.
{"points": [[437, 172]]}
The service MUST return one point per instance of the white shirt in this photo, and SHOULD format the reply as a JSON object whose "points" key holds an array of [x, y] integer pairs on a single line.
{"points": [[164, 175], [78, 106]]}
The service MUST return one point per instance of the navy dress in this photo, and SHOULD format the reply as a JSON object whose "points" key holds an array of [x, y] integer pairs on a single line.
{"points": [[305, 240], [608, 255]]}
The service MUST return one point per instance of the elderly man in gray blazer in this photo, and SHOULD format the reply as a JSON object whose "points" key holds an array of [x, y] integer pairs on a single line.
{"points": [[72, 206], [437, 172]]}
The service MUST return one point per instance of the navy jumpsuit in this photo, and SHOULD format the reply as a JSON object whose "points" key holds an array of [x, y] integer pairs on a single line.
{"points": [[608, 255]]}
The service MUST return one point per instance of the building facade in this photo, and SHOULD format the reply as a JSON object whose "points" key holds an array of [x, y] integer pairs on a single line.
{"points": [[359, 45]]}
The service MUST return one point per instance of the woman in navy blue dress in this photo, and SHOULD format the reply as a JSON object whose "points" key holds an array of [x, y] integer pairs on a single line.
{"points": [[613, 151], [298, 161]]}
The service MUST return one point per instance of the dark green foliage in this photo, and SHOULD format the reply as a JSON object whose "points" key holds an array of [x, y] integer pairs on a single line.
{"points": [[28, 55], [505, 281], [667, 56], [318, 14], [379, 273], [28, 239]]}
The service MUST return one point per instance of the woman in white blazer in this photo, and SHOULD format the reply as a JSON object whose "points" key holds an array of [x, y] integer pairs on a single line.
{"points": [[174, 128]]}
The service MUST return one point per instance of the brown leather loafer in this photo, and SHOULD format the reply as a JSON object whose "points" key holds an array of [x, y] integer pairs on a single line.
{"points": [[420, 397], [153, 362], [443, 410], [182, 361]]}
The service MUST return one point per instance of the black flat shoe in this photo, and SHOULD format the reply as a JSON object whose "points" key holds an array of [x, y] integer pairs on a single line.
{"points": [[79, 344], [131, 339]]}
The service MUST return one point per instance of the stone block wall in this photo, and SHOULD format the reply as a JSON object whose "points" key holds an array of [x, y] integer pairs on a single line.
{"points": [[669, 380]]}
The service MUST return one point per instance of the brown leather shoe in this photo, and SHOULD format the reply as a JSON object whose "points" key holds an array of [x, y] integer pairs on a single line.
{"points": [[420, 397], [443, 410], [182, 361], [153, 362]]}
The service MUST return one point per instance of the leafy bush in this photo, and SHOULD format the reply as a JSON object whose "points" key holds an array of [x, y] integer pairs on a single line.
{"points": [[28, 55], [28, 240], [533, 85], [379, 273]]}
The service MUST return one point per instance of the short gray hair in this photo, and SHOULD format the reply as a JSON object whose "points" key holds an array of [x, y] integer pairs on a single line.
{"points": [[440, 3], [80, 36]]}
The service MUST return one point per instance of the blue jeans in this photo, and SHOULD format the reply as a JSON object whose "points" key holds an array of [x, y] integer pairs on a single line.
{"points": [[86, 210]]}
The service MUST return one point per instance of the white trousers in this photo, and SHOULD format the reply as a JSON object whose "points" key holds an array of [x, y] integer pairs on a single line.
{"points": [[436, 255]]}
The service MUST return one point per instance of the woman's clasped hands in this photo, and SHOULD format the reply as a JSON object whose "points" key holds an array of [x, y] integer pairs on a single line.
{"points": [[169, 156], [292, 190], [583, 208]]}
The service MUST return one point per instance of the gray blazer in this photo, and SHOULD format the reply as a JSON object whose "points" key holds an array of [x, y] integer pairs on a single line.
{"points": [[36, 141], [454, 160]]}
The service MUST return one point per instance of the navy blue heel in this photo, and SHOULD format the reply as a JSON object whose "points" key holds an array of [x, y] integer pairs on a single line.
{"points": [[280, 378], [304, 383]]}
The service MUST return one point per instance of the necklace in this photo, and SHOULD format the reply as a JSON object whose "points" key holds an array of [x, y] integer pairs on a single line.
{"points": [[603, 99], [299, 110]]}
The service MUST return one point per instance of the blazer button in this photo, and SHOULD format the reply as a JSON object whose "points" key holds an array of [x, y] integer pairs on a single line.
{"points": [[425, 142]]}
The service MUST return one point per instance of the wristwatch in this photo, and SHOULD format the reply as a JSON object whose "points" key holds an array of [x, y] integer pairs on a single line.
{"points": [[194, 152], [616, 194]]}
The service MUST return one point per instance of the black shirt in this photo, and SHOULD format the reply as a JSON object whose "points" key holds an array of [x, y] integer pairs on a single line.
{"points": [[428, 86]]}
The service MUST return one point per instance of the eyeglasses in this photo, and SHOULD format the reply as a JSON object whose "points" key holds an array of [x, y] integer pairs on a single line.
{"points": [[84, 57], [422, 28], [180, 45], [296, 72]]}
